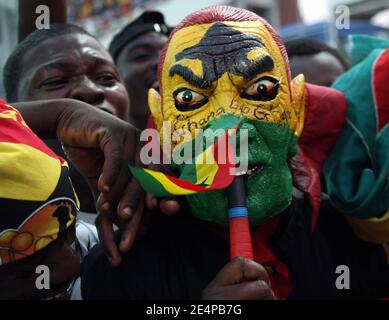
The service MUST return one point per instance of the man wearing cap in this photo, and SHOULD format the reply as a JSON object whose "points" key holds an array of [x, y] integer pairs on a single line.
{"points": [[135, 50]]}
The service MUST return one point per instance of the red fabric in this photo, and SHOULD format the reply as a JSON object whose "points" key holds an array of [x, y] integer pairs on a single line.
{"points": [[380, 83], [150, 123], [20, 134], [325, 114], [279, 274]]}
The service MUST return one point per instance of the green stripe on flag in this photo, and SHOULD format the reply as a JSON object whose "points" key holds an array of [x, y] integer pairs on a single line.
{"points": [[148, 182]]}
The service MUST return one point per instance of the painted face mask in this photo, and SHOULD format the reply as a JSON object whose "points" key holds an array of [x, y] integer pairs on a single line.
{"points": [[223, 62]]}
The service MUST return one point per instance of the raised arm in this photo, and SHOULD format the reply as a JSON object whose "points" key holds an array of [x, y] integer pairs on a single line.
{"points": [[100, 146]]}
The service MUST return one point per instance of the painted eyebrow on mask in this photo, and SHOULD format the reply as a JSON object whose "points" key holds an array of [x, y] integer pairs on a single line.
{"points": [[189, 76], [225, 49], [265, 64]]}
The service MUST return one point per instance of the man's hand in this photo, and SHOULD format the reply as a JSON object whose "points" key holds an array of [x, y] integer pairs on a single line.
{"points": [[240, 279], [100, 146]]}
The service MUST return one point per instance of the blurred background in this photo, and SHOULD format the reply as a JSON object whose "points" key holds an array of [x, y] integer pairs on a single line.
{"points": [[293, 19]]}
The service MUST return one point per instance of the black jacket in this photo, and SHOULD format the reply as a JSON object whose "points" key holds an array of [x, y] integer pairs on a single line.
{"points": [[178, 257]]}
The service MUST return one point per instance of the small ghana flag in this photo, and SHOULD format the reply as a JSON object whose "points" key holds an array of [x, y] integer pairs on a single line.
{"points": [[212, 169]]}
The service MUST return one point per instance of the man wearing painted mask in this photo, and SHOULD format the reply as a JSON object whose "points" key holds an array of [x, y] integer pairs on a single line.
{"points": [[224, 63]]}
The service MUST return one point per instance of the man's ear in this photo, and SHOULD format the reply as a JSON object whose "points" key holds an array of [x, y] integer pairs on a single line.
{"points": [[298, 102], [155, 108]]}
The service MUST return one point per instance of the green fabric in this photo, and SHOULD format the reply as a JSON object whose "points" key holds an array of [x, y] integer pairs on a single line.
{"points": [[269, 192], [357, 170], [362, 47], [148, 182]]}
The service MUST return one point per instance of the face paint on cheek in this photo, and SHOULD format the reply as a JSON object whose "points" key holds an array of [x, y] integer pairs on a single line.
{"points": [[185, 123], [262, 115], [211, 116], [244, 111], [181, 117]]}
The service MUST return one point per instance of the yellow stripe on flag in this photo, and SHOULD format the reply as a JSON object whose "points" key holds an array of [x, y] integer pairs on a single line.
{"points": [[170, 186], [206, 167], [27, 173]]}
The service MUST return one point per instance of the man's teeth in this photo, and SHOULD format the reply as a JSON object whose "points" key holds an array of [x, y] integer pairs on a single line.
{"points": [[249, 171], [252, 170]]}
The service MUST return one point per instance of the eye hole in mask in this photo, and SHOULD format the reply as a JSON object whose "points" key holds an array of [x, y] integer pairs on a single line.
{"points": [[188, 100], [265, 89]]}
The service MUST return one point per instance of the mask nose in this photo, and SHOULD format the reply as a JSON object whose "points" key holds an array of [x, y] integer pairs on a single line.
{"points": [[228, 97]]}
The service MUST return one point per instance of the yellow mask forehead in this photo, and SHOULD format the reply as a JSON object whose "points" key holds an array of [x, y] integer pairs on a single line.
{"points": [[199, 61], [192, 35]]}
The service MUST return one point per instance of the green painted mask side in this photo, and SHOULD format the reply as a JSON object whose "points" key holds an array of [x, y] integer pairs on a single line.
{"points": [[268, 192]]}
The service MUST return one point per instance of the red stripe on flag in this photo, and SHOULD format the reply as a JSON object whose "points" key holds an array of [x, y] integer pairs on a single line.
{"points": [[380, 87], [223, 177], [6, 107], [186, 184], [14, 132]]}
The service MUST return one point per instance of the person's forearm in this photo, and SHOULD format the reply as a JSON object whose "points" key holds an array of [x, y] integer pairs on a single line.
{"points": [[27, 15], [43, 116]]}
